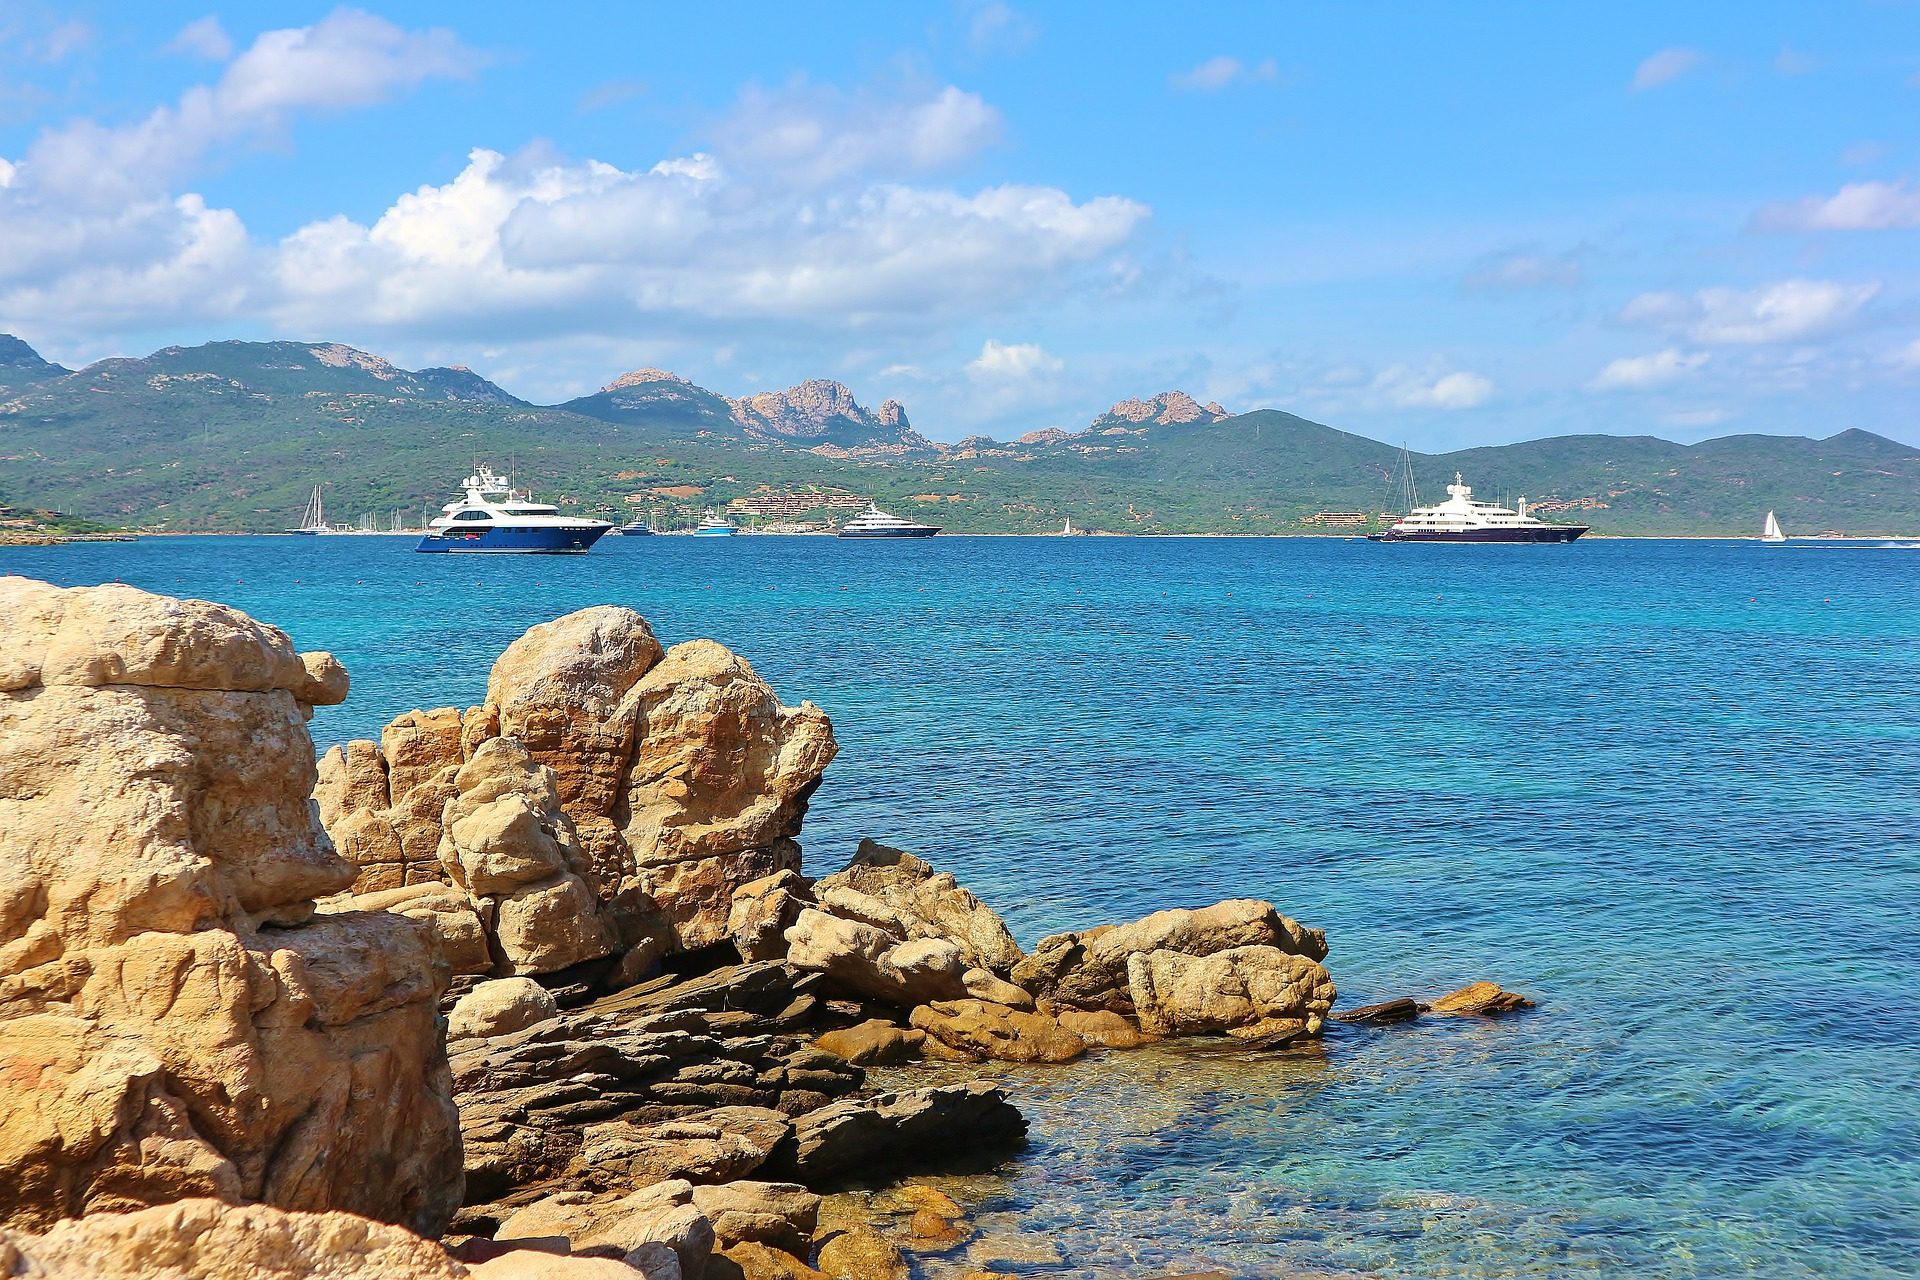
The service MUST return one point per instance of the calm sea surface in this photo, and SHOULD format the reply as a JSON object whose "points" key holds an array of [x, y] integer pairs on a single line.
{"points": [[1668, 788]]}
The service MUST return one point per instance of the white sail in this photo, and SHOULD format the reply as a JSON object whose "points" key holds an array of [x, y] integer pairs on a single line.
{"points": [[1771, 533]]}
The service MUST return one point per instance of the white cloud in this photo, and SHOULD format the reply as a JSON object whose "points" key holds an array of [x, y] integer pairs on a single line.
{"points": [[1408, 388], [1858, 206], [1523, 270], [1218, 73], [1908, 357], [202, 38], [1016, 361], [809, 135], [1791, 310], [993, 27], [7, 172], [1664, 67], [348, 59], [1637, 373]]}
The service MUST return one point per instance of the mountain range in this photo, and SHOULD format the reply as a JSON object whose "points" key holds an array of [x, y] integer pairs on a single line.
{"points": [[233, 435]]}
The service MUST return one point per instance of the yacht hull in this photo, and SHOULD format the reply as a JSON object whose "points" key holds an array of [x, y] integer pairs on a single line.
{"points": [[536, 541], [924, 531], [1544, 533]]}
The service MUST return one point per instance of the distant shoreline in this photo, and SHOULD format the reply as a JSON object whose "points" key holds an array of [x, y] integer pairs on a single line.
{"points": [[1328, 537]]}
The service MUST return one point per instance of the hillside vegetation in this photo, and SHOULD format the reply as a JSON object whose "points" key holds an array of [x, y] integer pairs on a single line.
{"points": [[234, 435]]}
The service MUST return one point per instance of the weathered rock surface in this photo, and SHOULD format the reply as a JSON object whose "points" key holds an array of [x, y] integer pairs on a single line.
{"points": [[1088, 970], [680, 777], [661, 1214], [176, 1019], [915, 1128], [996, 1031], [928, 904], [1386, 1011], [873, 1042], [1480, 998], [860, 1253], [202, 1239], [1253, 991], [781, 1214], [500, 1008], [866, 959], [1104, 1028], [762, 911]]}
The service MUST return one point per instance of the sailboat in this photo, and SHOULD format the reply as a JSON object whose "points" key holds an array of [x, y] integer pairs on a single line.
{"points": [[1771, 532], [314, 519]]}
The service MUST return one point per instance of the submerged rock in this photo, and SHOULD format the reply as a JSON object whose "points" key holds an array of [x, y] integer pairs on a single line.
{"points": [[1480, 998], [1399, 1010], [176, 1018]]}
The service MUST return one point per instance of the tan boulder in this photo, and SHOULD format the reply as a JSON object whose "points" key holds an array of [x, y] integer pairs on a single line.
{"points": [[447, 913], [861, 1253], [662, 1213], [181, 1021], [715, 1146], [928, 904], [751, 1260], [873, 1042], [1104, 1028], [763, 910], [200, 1239], [500, 1008], [535, 1264], [1253, 991], [781, 1214], [866, 960], [996, 1031], [1089, 970]]}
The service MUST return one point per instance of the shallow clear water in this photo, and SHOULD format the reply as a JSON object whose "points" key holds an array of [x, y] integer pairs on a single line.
{"points": [[1665, 787]]}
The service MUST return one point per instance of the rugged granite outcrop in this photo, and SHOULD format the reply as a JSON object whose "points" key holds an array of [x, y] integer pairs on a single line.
{"points": [[649, 786], [175, 1018], [1169, 408]]}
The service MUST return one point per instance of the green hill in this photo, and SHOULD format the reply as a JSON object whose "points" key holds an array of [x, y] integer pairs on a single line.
{"points": [[233, 435]]}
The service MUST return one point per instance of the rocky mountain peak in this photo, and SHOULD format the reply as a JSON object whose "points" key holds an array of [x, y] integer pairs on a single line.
{"points": [[16, 357], [641, 376], [893, 414], [1169, 408]]}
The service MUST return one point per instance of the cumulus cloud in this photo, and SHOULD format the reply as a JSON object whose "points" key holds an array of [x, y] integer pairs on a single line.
{"points": [[1858, 206], [1408, 388], [1520, 270], [1218, 73], [1789, 311], [1012, 361], [202, 38], [1638, 373], [1664, 67]]}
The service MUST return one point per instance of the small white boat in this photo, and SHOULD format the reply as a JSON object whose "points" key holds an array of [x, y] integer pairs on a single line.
{"points": [[1771, 531], [715, 525]]}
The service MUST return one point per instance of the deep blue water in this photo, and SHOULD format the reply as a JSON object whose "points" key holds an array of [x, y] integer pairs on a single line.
{"points": [[1668, 788]]}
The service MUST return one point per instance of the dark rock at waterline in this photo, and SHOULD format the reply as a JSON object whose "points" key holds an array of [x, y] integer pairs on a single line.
{"points": [[1401, 1010], [1480, 998], [866, 1139]]}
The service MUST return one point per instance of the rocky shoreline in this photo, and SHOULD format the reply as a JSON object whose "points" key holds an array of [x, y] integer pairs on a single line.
{"points": [[533, 988]]}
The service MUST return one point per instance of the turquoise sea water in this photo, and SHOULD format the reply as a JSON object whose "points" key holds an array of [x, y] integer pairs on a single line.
{"points": [[1668, 788]]}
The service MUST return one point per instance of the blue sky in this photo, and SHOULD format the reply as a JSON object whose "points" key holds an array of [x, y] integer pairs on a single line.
{"points": [[1439, 224]]}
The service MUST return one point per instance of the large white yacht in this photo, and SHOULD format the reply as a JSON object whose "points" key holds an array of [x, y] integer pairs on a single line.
{"points": [[1461, 519], [493, 516], [875, 523]]}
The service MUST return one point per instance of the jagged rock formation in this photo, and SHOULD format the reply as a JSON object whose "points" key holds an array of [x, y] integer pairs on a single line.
{"points": [[646, 787], [1169, 408], [175, 1019], [820, 412]]}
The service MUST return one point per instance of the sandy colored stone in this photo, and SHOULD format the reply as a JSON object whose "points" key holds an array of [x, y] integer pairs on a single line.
{"points": [[781, 1214], [180, 1020], [982, 985], [751, 1260], [1089, 970], [500, 1007], [761, 912], [1480, 998], [662, 1213], [200, 1239], [1104, 1028], [996, 1031], [873, 1042], [866, 960], [1258, 991], [721, 775], [929, 904], [861, 1253], [533, 1264]]}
